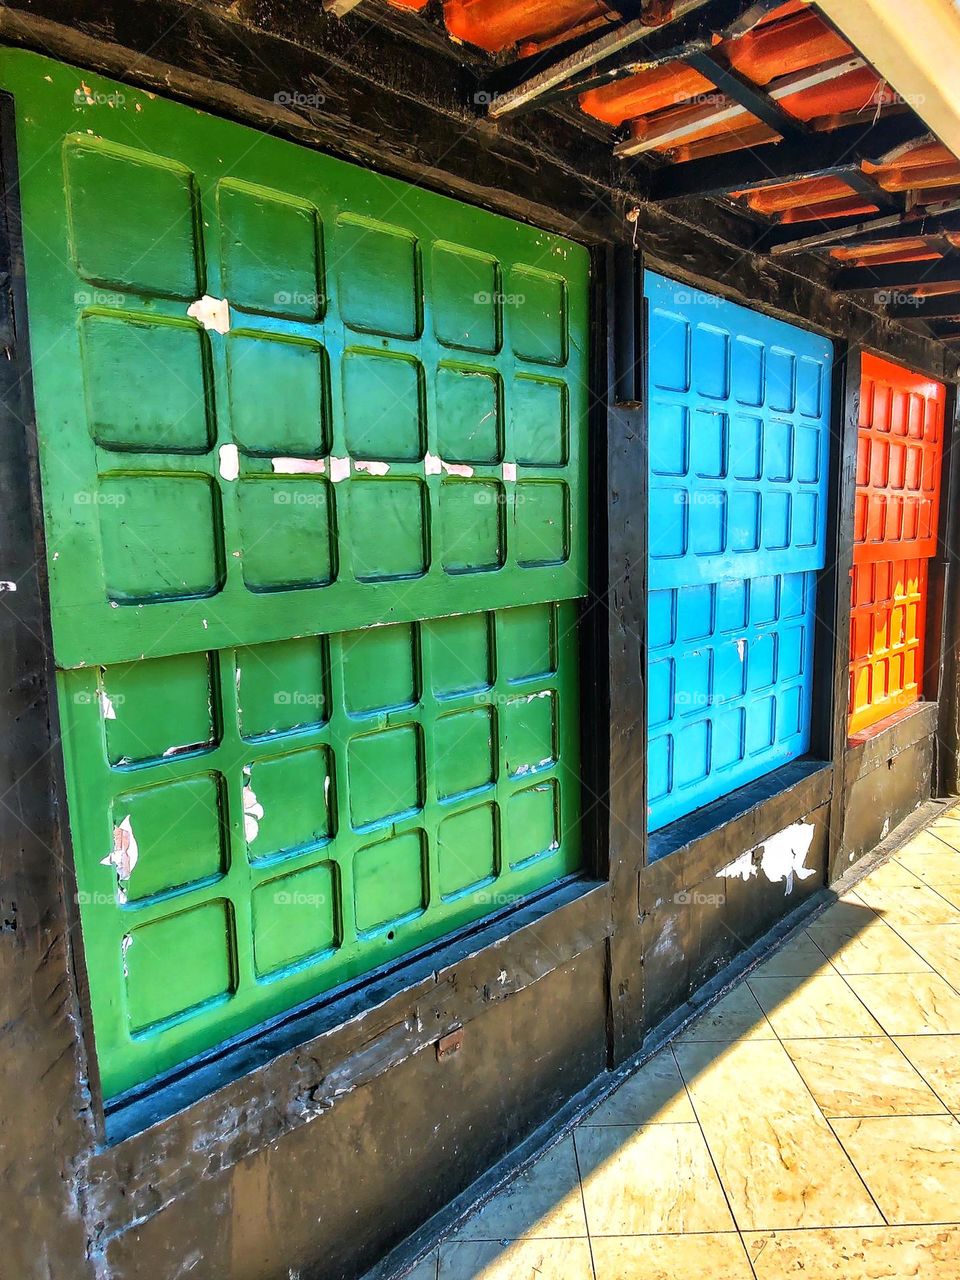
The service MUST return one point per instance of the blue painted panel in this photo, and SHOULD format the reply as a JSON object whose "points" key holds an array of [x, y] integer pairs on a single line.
{"points": [[739, 408]]}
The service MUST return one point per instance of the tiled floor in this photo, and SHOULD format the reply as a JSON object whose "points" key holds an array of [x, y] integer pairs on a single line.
{"points": [[805, 1126]]}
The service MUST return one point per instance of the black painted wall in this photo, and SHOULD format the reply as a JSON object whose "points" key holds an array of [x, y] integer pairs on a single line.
{"points": [[317, 1148]]}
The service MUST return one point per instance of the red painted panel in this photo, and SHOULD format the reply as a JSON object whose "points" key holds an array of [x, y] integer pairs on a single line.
{"points": [[896, 512]]}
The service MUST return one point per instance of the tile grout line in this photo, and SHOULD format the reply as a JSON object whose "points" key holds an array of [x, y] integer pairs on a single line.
{"points": [[583, 1200], [706, 1143]]}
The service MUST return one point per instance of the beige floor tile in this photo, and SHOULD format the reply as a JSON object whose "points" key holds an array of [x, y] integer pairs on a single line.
{"points": [[721, 1257], [910, 1163], [861, 1077], [939, 945], [889, 875], [920, 904], [649, 1181], [800, 957], [516, 1260], [736, 1017], [922, 1004], [541, 1203], [937, 1058], [864, 946], [857, 1253], [653, 1095], [929, 849], [425, 1270], [779, 1161], [819, 1006]]}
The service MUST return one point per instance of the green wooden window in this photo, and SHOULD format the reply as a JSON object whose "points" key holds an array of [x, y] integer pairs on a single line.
{"points": [[312, 451]]}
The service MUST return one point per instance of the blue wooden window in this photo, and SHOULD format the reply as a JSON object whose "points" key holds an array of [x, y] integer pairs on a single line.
{"points": [[739, 411]]}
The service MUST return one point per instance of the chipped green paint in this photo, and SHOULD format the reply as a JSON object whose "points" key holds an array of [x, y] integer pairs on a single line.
{"points": [[270, 791]]}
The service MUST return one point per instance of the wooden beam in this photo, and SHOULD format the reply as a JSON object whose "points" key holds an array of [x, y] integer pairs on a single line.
{"points": [[940, 306], [821, 155], [751, 97], [899, 275], [933, 221], [533, 81]]}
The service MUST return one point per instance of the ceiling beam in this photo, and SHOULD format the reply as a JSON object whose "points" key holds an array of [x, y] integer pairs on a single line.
{"points": [[694, 24], [754, 99], [940, 306], [899, 275], [933, 221], [819, 156]]}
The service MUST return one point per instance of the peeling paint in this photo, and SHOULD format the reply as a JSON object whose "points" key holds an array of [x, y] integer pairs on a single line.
{"points": [[106, 706], [124, 855], [782, 857], [229, 461], [373, 468], [339, 469], [299, 466], [742, 648], [457, 469], [125, 945], [212, 313], [510, 472], [431, 465], [12, 586], [252, 811]]}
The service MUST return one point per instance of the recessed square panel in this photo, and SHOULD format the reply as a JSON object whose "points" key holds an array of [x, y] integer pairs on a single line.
{"points": [[538, 413], [471, 525], [806, 519], [727, 743], [270, 246], [383, 399], [668, 522], [533, 823], [535, 307], [669, 433], [781, 380], [661, 618], [748, 370], [692, 754], [761, 723], [670, 339], [464, 291], [530, 732], [541, 522], [385, 776], [465, 751], [730, 670], [764, 599], [178, 964], [385, 531], [461, 654], [286, 533], [809, 387], [160, 536], [147, 383], [296, 919], [282, 687], [660, 693], [731, 601], [278, 395], [660, 767], [746, 447], [287, 803], [378, 275], [807, 454], [158, 708], [469, 427], [711, 361], [390, 882], [380, 668], [708, 444], [527, 646], [155, 252], [695, 609], [762, 660], [744, 521], [708, 522], [776, 520], [778, 450], [468, 850], [177, 830]]}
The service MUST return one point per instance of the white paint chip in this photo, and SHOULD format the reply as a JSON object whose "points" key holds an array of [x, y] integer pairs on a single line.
{"points": [[510, 472], [212, 313], [106, 706], [431, 465], [229, 461], [373, 468], [782, 857], [123, 856], [299, 466], [252, 812], [742, 648], [339, 469], [12, 586]]}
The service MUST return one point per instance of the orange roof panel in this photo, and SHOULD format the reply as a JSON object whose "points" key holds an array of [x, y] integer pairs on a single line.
{"points": [[497, 24]]}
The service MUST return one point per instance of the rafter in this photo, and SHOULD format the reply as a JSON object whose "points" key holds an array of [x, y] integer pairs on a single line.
{"points": [[694, 25], [917, 224], [899, 275], [819, 156], [940, 306]]}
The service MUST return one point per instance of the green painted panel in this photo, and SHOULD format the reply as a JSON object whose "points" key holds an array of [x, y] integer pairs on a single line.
{"points": [[295, 750], [329, 803], [368, 364]]}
